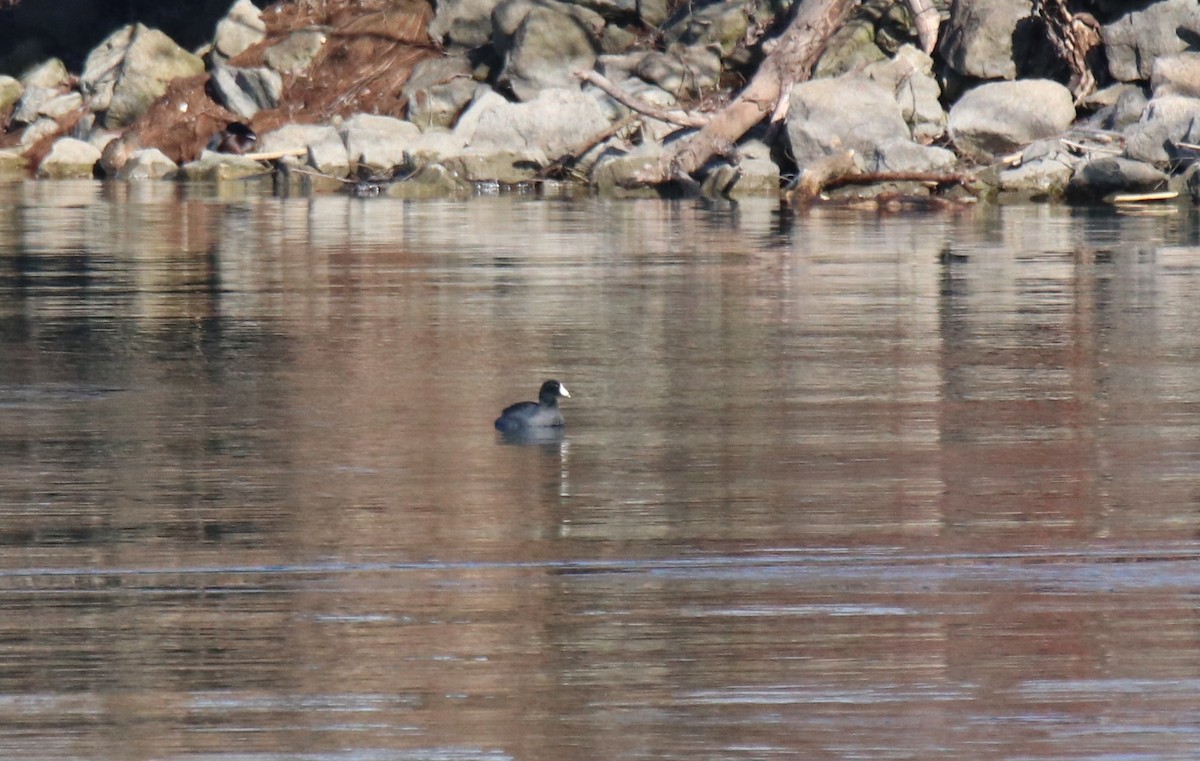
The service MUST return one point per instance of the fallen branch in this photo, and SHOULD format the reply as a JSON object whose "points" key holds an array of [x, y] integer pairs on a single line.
{"points": [[683, 119], [561, 166], [789, 62], [839, 169], [814, 177], [926, 178]]}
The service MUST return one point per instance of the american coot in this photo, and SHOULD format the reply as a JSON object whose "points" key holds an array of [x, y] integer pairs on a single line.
{"points": [[543, 413]]}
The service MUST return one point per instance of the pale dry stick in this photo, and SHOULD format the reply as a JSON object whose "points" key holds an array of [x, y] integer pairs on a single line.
{"points": [[682, 118], [272, 155]]}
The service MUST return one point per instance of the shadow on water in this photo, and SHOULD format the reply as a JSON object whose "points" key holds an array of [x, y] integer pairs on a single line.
{"points": [[841, 486]]}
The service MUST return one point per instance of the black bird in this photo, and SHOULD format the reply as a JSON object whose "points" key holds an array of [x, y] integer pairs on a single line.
{"points": [[235, 138], [543, 413]]}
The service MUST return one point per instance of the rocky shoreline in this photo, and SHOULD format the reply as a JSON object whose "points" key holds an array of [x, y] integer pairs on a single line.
{"points": [[1015, 99]]}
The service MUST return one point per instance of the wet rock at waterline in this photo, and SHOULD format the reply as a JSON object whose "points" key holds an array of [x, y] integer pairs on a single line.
{"points": [[999, 117]]}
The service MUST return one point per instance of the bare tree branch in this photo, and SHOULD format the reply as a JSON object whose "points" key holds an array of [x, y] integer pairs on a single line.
{"points": [[683, 119], [789, 62]]}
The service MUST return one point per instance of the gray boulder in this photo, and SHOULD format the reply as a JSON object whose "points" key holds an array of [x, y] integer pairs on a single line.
{"points": [[10, 92], [682, 69], [1133, 40], [61, 104], [130, 69], [295, 53], [29, 107], [69, 159], [1102, 177], [615, 175], [899, 154], [977, 40], [846, 113], [850, 49], [148, 164], [556, 121], [1166, 120], [1177, 74], [430, 181], [999, 117], [754, 175], [1045, 169], [1190, 178], [48, 74], [909, 75], [221, 167], [504, 166], [465, 23], [41, 129], [246, 91], [12, 165], [721, 24], [241, 27], [323, 146], [378, 142], [1128, 103], [438, 90], [550, 42]]}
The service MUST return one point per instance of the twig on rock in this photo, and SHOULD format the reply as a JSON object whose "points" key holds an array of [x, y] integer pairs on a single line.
{"points": [[683, 119]]}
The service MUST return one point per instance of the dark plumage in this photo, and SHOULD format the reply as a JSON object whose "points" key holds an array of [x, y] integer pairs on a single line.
{"points": [[543, 413], [235, 138]]}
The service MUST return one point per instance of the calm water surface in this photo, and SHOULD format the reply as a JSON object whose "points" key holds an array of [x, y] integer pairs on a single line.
{"points": [[839, 486]]}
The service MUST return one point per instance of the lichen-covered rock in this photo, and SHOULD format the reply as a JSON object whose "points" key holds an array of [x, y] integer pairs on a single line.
{"points": [[548, 45], [148, 164], [1169, 119], [977, 40], [999, 117], [131, 69], [721, 24], [69, 159], [850, 49], [241, 27], [1147, 31]]}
